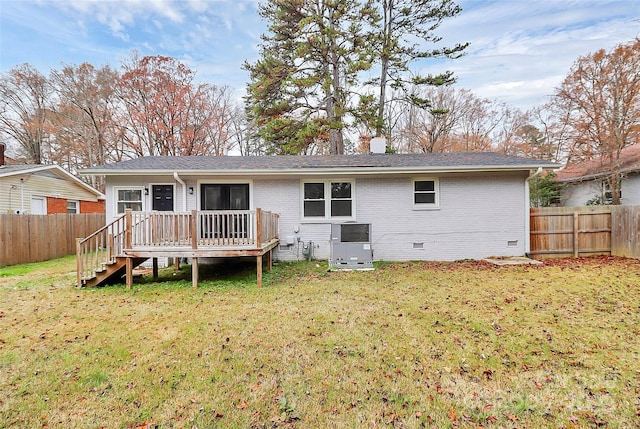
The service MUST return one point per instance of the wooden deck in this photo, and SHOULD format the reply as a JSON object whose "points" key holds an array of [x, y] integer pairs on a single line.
{"points": [[137, 236]]}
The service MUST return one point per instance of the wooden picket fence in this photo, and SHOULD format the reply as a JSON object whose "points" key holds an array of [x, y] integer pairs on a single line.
{"points": [[34, 238], [585, 231]]}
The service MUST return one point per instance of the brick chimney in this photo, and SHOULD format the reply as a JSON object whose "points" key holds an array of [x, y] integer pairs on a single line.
{"points": [[1, 154]]}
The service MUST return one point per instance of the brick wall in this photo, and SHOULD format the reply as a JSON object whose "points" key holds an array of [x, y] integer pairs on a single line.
{"points": [[56, 205], [59, 205], [92, 206]]}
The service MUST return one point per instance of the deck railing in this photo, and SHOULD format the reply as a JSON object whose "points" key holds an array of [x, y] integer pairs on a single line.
{"points": [[207, 229], [99, 249]]}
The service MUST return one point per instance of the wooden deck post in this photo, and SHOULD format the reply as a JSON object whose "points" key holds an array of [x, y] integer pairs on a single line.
{"points": [[259, 270], [129, 275], [127, 229], [194, 229], [155, 269], [194, 272], [258, 227]]}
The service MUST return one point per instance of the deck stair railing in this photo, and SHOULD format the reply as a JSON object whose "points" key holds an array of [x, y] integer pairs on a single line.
{"points": [[208, 229], [100, 249]]}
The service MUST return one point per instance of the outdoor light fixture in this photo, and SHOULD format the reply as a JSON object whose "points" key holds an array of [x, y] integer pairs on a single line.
{"points": [[190, 190], [146, 191]]}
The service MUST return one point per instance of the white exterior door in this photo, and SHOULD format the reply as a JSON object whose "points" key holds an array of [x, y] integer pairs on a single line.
{"points": [[38, 205]]}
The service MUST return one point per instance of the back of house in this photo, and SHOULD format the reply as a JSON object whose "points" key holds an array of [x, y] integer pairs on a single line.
{"points": [[417, 206]]}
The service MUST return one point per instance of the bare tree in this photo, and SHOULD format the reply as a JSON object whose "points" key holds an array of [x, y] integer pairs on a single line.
{"points": [[86, 133], [24, 102]]}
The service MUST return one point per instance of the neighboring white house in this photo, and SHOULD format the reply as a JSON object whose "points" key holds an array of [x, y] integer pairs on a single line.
{"points": [[587, 181], [420, 206], [45, 189]]}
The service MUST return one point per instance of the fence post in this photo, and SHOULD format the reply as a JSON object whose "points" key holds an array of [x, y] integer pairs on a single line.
{"points": [[576, 238], [79, 267]]}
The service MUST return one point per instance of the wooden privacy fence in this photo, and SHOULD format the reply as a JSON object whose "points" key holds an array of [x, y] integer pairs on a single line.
{"points": [[625, 231], [34, 238], [584, 231]]}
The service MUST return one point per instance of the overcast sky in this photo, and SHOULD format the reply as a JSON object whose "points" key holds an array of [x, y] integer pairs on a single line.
{"points": [[520, 49]]}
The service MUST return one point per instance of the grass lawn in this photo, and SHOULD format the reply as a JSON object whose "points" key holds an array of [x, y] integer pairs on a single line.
{"points": [[409, 345]]}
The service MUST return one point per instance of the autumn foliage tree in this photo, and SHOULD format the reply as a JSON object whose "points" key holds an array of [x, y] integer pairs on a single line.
{"points": [[165, 112], [600, 98]]}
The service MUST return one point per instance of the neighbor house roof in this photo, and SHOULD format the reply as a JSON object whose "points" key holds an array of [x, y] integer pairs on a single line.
{"points": [[54, 170], [301, 164], [629, 161]]}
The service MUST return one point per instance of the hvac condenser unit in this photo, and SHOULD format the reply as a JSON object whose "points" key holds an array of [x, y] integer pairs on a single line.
{"points": [[351, 246]]}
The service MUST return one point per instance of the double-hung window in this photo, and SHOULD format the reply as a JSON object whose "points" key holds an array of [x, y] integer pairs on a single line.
{"points": [[425, 194], [328, 199], [72, 207], [128, 199]]}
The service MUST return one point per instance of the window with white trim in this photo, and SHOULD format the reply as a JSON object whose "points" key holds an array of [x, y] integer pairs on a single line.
{"points": [[425, 193], [72, 207], [128, 199], [328, 199]]}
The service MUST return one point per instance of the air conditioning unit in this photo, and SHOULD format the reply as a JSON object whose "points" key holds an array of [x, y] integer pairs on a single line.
{"points": [[351, 246]]}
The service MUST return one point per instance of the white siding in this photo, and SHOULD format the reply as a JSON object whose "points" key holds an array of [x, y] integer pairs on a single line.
{"points": [[631, 190], [16, 195], [119, 182], [577, 194]]}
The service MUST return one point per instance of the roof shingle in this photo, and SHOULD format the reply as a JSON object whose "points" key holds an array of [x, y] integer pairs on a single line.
{"points": [[301, 163]]}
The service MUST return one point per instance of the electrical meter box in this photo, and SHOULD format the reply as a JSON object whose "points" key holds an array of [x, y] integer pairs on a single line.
{"points": [[351, 246]]}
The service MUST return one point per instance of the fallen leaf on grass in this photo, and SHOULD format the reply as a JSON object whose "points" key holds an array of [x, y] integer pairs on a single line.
{"points": [[452, 414], [242, 405]]}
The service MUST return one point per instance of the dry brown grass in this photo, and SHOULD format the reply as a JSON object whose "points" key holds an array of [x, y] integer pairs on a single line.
{"points": [[409, 345]]}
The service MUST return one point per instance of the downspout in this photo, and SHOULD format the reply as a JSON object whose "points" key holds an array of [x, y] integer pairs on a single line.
{"points": [[22, 195], [527, 219], [184, 190]]}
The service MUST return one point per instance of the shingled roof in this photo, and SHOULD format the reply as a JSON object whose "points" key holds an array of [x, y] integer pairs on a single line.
{"points": [[457, 161], [629, 161]]}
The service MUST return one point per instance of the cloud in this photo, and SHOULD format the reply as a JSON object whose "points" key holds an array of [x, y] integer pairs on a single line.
{"points": [[520, 51]]}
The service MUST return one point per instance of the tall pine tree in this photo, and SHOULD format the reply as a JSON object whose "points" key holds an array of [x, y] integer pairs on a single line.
{"points": [[300, 90], [405, 32]]}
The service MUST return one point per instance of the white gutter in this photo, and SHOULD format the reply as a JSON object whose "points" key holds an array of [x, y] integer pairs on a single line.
{"points": [[184, 190], [527, 205]]}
